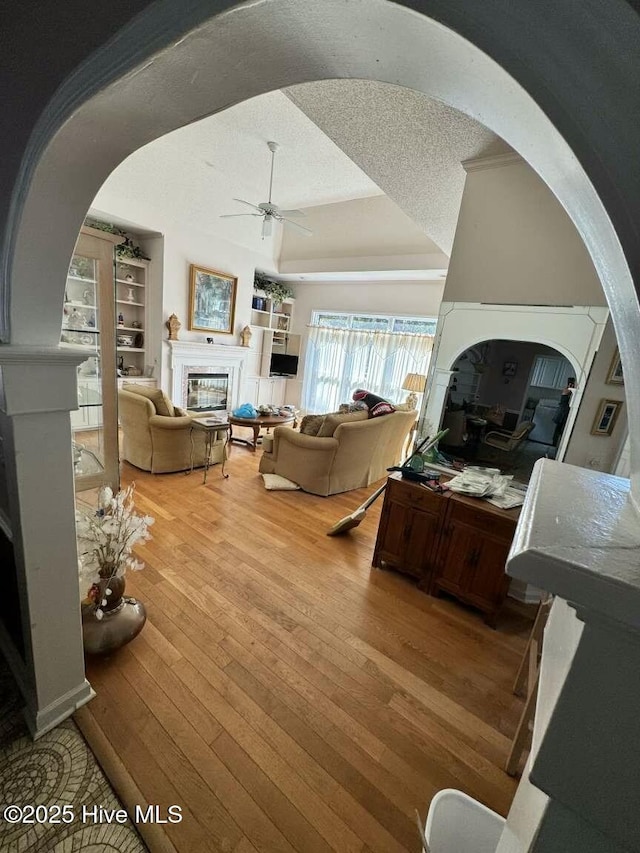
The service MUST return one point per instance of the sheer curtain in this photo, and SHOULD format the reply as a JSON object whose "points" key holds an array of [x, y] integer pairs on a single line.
{"points": [[340, 360]]}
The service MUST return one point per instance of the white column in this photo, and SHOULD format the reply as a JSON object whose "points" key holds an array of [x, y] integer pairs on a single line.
{"points": [[434, 404], [37, 392], [578, 538]]}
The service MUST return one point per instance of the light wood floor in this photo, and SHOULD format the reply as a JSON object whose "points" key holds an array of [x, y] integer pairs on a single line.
{"points": [[285, 694]]}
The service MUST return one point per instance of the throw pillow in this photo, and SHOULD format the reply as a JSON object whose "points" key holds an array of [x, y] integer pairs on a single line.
{"points": [[377, 405], [274, 482], [311, 424], [163, 404], [381, 408]]}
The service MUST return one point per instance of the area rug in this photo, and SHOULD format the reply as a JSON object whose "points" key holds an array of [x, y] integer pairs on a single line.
{"points": [[274, 482], [58, 769]]}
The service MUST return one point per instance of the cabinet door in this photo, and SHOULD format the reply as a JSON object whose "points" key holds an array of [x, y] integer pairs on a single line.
{"points": [[278, 392], [455, 558], [251, 391], [488, 582], [408, 542]]}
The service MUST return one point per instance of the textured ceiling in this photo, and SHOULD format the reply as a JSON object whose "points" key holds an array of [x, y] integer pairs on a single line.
{"points": [[410, 145], [339, 140]]}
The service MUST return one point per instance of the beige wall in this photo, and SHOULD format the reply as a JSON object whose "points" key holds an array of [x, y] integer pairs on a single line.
{"points": [[514, 243]]}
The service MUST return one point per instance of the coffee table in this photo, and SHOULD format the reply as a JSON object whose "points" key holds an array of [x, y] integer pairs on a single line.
{"points": [[256, 424]]}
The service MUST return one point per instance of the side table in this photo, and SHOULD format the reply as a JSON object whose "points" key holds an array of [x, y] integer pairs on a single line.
{"points": [[211, 428]]}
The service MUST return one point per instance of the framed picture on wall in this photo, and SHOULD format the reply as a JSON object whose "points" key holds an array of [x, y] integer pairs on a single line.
{"points": [[509, 368], [614, 376], [212, 301], [606, 417]]}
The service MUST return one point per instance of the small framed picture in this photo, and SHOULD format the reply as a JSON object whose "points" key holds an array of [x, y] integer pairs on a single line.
{"points": [[509, 368], [606, 418], [212, 301], [614, 376]]}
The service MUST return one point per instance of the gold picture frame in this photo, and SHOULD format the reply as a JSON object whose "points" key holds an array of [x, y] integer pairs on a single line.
{"points": [[212, 300], [606, 417], [615, 376]]}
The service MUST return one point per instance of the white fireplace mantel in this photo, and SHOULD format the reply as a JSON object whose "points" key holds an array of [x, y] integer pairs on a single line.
{"points": [[191, 357]]}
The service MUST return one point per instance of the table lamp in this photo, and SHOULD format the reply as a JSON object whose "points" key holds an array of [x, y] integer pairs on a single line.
{"points": [[414, 383]]}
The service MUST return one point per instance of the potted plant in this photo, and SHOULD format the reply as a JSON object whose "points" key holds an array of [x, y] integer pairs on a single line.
{"points": [[105, 551], [277, 291]]}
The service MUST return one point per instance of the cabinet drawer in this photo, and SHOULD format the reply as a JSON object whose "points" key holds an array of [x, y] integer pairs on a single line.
{"points": [[415, 496], [489, 523]]}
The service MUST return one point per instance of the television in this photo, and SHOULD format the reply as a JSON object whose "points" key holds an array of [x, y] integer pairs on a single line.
{"points": [[283, 365]]}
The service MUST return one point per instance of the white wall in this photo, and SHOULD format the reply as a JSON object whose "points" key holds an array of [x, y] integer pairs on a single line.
{"points": [[599, 452], [514, 243], [183, 245]]}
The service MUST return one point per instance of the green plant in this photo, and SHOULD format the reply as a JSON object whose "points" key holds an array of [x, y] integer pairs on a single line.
{"points": [[278, 291], [128, 248]]}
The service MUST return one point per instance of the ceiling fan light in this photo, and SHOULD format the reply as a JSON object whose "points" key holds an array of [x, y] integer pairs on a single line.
{"points": [[266, 226]]}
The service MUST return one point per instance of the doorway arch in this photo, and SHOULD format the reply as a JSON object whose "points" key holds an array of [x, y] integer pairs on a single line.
{"points": [[163, 71]]}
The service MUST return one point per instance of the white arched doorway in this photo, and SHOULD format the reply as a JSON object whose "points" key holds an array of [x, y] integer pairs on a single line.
{"points": [[519, 84]]}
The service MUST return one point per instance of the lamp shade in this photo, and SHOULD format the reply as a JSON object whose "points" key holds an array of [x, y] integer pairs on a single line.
{"points": [[414, 382]]}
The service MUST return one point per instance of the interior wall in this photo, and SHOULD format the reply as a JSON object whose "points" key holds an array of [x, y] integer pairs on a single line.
{"points": [[599, 452], [416, 298], [515, 244], [183, 244]]}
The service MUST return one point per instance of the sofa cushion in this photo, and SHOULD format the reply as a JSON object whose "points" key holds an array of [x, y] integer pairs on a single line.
{"points": [[163, 404], [332, 422]]}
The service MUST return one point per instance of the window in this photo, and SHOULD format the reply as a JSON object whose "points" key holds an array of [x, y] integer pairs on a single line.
{"points": [[371, 351]]}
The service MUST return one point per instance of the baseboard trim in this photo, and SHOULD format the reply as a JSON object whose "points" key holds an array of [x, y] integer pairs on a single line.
{"points": [[121, 781], [40, 721]]}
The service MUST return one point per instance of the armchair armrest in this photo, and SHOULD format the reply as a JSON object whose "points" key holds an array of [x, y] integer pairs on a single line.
{"points": [[304, 459], [165, 422]]}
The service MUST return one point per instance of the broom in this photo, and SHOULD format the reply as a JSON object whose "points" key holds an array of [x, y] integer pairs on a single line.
{"points": [[353, 519]]}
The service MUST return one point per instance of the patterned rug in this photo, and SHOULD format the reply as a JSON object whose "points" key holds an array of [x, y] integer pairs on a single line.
{"points": [[59, 769]]}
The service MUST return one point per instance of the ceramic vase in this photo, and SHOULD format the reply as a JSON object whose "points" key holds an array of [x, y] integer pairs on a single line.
{"points": [[123, 619]]}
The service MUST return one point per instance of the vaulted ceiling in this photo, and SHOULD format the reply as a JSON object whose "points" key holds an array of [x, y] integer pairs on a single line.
{"points": [[340, 140]]}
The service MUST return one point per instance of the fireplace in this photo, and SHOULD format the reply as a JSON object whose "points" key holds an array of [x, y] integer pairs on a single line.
{"points": [[207, 392], [216, 372]]}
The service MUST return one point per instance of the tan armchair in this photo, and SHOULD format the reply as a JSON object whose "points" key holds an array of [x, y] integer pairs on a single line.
{"points": [[349, 452], [157, 436], [506, 440]]}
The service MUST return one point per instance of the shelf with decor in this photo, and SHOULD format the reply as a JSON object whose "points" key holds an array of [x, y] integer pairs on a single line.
{"points": [[131, 304], [88, 324]]}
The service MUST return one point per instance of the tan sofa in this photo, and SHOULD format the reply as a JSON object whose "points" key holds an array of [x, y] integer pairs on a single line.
{"points": [[157, 435], [349, 452]]}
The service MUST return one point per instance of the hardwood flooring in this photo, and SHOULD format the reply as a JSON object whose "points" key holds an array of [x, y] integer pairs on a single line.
{"points": [[285, 694]]}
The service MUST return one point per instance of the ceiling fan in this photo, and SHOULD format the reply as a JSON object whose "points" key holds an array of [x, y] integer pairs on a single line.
{"points": [[270, 211]]}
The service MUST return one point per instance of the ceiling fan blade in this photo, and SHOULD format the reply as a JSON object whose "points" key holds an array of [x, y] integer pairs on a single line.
{"points": [[291, 212], [267, 226], [230, 215], [248, 203], [289, 223]]}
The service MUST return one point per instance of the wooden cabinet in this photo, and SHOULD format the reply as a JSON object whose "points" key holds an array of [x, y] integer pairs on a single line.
{"points": [[449, 542], [409, 530]]}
